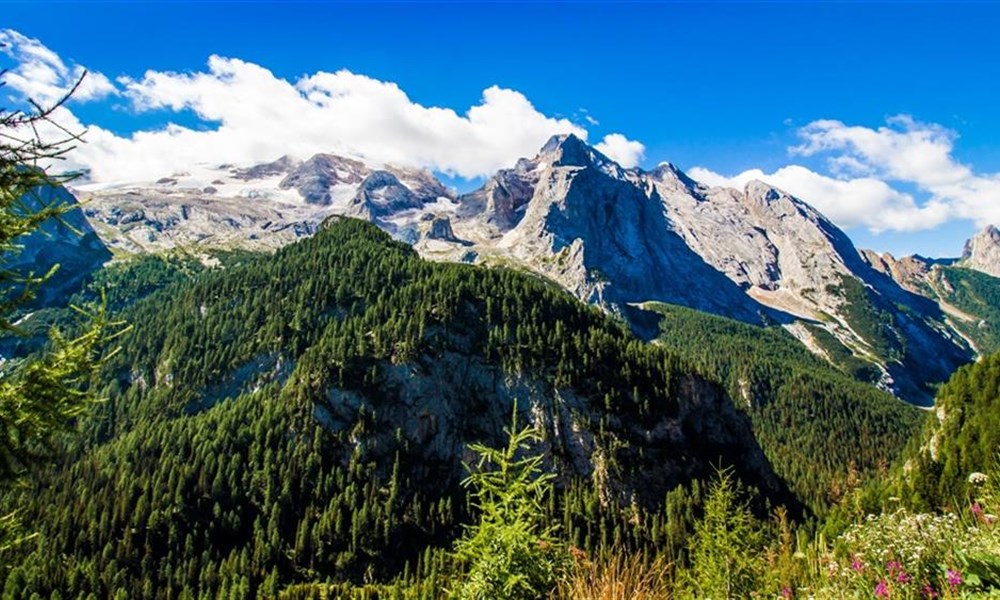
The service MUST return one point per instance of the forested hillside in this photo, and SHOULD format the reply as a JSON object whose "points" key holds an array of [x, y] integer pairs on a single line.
{"points": [[303, 416], [976, 296], [823, 430], [962, 438]]}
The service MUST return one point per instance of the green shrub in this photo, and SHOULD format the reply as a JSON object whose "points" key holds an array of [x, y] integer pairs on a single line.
{"points": [[726, 546], [510, 553]]}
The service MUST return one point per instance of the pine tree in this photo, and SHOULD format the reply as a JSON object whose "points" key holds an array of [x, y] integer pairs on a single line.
{"points": [[44, 396]]}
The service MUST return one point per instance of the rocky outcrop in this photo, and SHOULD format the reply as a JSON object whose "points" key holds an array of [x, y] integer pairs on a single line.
{"points": [[68, 241], [382, 194], [439, 228], [982, 252], [315, 178], [151, 221], [279, 167], [911, 272]]}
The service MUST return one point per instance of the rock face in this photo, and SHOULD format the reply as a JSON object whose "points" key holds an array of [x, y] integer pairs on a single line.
{"points": [[619, 237], [68, 241], [601, 232], [262, 206], [440, 229], [911, 272], [982, 252], [155, 220], [316, 178], [381, 194]]}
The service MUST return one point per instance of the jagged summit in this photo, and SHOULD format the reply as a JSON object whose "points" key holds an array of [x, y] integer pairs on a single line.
{"points": [[982, 251], [567, 150], [381, 194]]}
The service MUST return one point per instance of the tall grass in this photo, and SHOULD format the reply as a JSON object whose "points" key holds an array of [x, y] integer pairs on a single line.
{"points": [[618, 577]]}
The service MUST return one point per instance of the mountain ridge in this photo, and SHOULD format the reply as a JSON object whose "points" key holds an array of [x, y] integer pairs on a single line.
{"points": [[612, 236]]}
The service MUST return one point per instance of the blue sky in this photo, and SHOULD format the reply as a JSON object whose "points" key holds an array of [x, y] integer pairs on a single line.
{"points": [[721, 88]]}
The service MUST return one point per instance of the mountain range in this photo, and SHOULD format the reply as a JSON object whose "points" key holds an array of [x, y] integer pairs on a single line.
{"points": [[614, 237]]}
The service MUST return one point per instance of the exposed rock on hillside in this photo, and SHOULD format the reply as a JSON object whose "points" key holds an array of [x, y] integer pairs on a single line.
{"points": [[982, 252]]}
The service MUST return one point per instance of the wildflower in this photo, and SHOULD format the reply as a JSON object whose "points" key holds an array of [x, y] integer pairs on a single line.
{"points": [[954, 579], [786, 592], [903, 577], [882, 589], [976, 478], [977, 509], [856, 564], [928, 591], [893, 567]]}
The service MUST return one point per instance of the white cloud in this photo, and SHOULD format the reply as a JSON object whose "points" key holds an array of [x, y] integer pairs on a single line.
{"points": [[911, 152], [628, 153], [864, 165], [252, 116], [863, 201], [40, 75]]}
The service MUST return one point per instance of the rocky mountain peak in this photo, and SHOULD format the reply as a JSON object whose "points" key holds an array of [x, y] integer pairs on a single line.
{"points": [[380, 194], [758, 189], [669, 175], [567, 150], [262, 171], [982, 251], [315, 177]]}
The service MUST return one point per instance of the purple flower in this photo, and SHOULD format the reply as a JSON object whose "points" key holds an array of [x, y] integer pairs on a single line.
{"points": [[786, 592], [928, 591], [903, 577], [882, 589], [856, 564], [977, 509], [893, 566], [954, 579]]}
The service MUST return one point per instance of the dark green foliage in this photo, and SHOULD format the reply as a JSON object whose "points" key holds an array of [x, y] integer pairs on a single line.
{"points": [[841, 356], [726, 545], [295, 419], [118, 284], [820, 428], [42, 397], [965, 436], [125, 282], [512, 552], [872, 321]]}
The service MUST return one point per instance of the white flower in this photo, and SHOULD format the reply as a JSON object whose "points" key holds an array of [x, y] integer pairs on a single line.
{"points": [[977, 478]]}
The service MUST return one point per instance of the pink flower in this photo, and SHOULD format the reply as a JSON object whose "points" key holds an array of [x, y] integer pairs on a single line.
{"points": [[928, 591], [903, 577], [882, 589], [954, 579], [893, 567], [856, 564], [786, 592], [977, 509]]}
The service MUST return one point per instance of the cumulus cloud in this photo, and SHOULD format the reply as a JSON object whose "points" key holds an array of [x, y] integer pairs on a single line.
{"points": [[864, 165], [628, 153], [249, 115], [863, 201], [40, 75]]}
